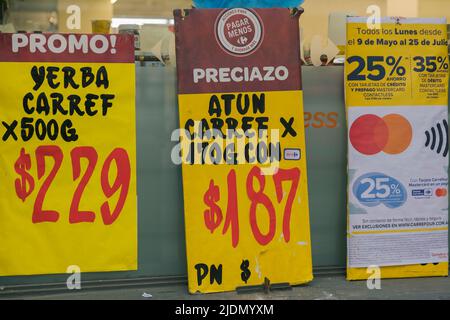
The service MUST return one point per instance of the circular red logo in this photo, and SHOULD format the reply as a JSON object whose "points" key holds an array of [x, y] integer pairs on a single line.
{"points": [[371, 134], [239, 31]]}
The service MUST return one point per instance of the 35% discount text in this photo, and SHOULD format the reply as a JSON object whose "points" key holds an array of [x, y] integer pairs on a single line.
{"points": [[49, 162]]}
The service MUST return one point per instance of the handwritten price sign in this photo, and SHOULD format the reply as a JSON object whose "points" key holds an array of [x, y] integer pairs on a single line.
{"points": [[68, 162], [214, 217], [244, 165], [25, 183]]}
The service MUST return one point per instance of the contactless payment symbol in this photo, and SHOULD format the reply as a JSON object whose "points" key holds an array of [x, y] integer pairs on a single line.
{"points": [[373, 189], [371, 134], [239, 31], [437, 138]]}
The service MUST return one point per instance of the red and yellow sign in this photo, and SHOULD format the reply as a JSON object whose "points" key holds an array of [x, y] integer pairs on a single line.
{"points": [[243, 148], [68, 163]]}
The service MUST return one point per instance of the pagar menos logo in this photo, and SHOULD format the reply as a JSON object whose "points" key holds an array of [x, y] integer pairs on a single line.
{"points": [[239, 31], [370, 134]]}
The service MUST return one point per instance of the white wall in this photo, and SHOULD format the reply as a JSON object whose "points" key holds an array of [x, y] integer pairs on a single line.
{"points": [[435, 9], [403, 8], [315, 19]]}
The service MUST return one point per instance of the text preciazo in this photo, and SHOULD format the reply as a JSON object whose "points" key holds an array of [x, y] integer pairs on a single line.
{"points": [[238, 74]]}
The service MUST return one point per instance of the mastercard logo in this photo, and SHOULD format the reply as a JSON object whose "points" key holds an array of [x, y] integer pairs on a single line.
{"points": [[371, 134], [441, 192]]}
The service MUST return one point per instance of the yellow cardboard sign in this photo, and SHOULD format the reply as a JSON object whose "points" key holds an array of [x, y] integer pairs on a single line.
{"points": [[243, 150], [247, 225], [68, 161]]}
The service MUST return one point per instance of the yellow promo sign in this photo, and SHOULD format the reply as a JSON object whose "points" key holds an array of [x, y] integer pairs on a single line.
{"points": [[68, 162], [392, 65], [243, 149], [396, 87]]}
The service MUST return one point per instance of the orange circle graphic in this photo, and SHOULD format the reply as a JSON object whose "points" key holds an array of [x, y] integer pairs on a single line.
{"points": [[400, 134]]}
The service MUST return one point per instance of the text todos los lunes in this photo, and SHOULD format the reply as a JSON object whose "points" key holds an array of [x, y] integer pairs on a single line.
{"points": [[56, 103], [402, 32], [398, 31]]}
